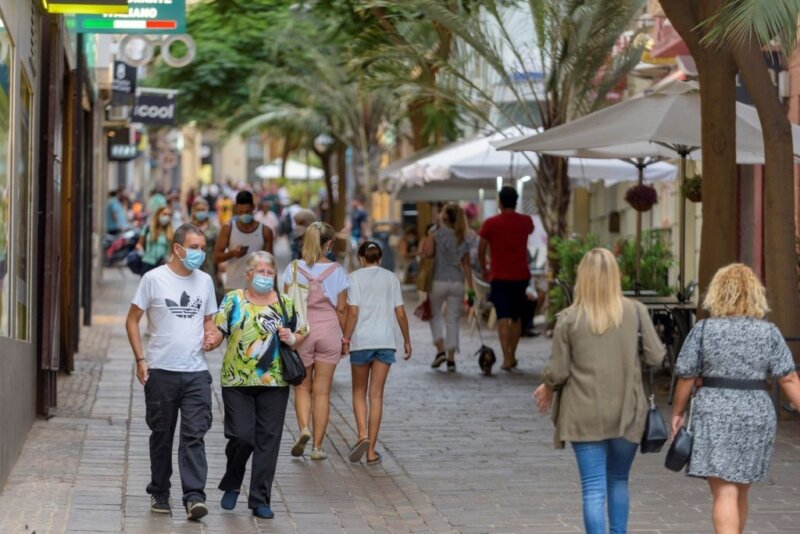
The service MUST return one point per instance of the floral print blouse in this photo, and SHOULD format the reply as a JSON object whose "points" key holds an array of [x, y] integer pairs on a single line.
{"points": [[251, 357]]}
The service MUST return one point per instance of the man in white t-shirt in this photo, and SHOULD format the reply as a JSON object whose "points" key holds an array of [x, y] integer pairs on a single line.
{"points": [[180, 302]]}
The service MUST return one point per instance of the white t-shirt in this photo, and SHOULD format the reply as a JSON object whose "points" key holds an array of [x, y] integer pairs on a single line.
{"points": [[176, 307], [335, 283], [376, 291]]}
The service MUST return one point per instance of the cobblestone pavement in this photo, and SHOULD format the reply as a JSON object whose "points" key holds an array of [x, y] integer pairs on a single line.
{"points": [[462, 453]]}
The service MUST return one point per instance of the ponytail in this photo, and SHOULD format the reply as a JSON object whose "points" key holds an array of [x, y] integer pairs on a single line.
{"points": [[315, 237], [456, 220]]}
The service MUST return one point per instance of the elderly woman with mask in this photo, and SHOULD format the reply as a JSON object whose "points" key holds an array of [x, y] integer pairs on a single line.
{"points": [[254, 320]]}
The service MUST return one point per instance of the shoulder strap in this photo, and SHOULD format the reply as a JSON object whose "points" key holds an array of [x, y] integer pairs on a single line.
{"points": [[310, 277], [285, 316], [329, 271]]}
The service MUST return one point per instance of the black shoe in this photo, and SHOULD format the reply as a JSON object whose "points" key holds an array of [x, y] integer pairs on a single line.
{"points": [[451, 367], [438, 360], [159, 504], [196, 509]]}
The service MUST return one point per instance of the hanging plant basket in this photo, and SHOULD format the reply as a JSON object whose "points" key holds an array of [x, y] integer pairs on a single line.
{"points": [[692, 188], [641, 197]]}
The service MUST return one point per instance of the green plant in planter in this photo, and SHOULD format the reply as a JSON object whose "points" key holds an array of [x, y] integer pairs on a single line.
{"points": [[656, 260], [692, 188], [569, 252]]}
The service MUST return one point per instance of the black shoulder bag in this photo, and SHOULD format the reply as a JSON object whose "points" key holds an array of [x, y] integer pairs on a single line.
{"points": [[294, 372], [655, 430], [680, 451]]}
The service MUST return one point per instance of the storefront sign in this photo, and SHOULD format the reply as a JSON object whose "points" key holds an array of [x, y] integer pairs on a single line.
{"points": [[122, 152], [64, 7], [123, 84], [155, 109], [143, 16]]}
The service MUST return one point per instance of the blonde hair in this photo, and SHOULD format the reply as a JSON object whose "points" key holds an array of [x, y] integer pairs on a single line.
{"points": [[598, 291], [736, 290], [259, 256], [454, 218], [317, 234], [155, 227]]}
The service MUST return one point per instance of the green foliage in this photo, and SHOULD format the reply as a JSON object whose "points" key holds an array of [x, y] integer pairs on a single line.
{"points": [[568, 252], [231, 42], [656, 259]]}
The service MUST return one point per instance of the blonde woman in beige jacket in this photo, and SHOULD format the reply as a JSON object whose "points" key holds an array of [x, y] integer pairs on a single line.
{"points": [[601, 406]]}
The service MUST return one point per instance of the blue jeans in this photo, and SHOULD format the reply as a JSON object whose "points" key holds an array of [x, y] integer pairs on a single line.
{"points": [[604, 467]]}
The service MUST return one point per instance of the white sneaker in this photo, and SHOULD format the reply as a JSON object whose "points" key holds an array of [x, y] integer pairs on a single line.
{"points": [[318, 454], [300, 445]]}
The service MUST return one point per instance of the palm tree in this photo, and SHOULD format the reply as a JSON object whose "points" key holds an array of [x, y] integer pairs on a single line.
{"points": [[726, 37], [554, 60]]}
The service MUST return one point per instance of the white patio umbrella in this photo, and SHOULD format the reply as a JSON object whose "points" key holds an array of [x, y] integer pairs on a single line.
{"points": [[294, 171], [477, 164], [658, 124]]}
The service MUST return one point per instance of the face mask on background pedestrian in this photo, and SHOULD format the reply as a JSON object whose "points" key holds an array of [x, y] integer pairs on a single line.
{"points": [[164, 220], [201, 215], [193, 259], [263, 284]]}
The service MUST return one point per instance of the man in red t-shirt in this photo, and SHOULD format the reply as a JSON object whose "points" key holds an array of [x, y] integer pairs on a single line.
{"points": [[506, 235]]}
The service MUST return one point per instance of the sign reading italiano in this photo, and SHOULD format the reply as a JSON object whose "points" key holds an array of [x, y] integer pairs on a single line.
{"points": [[143, 16], [85, 6]]}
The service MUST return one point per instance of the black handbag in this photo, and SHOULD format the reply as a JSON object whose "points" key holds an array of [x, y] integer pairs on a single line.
{"points": [[655, 430], [294, 372], [680, 451]]}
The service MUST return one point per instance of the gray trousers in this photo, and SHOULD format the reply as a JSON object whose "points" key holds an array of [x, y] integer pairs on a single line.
{"points": [[444, 325], [166, 393]]}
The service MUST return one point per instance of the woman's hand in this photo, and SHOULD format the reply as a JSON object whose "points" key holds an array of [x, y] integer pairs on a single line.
{"points": [[212, 340], [677, 422], [407, 350], [287, 336], [142, 371], [544, 398]]}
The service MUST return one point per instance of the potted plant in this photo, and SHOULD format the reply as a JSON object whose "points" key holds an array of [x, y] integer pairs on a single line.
{"points": [[641, 197], [692, 188]]}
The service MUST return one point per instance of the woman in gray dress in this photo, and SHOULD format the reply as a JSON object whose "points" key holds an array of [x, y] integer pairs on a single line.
{"points": [[730, 355]]}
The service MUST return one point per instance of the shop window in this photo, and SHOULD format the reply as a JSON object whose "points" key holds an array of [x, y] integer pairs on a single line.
{"points": [[6, 58], [22, 201]]}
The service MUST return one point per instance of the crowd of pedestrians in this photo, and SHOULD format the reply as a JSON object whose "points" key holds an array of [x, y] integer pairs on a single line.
{"points": [[205, 284]]}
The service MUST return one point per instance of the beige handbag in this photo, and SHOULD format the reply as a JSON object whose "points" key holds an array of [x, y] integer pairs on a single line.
{"points": [[299, 294]]}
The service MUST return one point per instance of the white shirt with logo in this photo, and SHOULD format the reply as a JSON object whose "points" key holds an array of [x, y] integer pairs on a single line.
{"points": [[176, 307], [377, 292]]}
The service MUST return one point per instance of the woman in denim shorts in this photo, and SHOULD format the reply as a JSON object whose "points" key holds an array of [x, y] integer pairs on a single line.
{"points": [[374, 297]]}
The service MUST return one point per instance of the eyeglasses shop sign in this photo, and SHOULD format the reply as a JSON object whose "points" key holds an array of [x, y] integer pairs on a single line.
{"points": [[155, 109]]}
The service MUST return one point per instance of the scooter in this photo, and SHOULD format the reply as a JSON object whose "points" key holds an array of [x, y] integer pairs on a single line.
{"points": [[117, 247]]}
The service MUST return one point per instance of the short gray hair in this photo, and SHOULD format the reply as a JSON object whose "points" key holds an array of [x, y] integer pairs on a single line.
{"points": [[259, 256], [183, 230]]}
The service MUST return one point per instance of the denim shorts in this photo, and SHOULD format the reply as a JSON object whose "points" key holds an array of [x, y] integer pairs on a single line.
{"points": [[366, 357]]}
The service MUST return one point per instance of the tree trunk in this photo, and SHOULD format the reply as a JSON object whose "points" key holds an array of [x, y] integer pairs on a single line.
{"points": [[339, 208], [325, 159], [717, 71], [553, 190], [779, 228]]}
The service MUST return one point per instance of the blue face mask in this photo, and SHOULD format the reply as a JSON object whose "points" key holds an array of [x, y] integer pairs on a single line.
{"points": [[194, 258], [201, 215], [246, 218], [263, 284]]}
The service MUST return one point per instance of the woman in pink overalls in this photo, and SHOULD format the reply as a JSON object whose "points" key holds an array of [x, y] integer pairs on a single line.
{"points": [[321, 350]]}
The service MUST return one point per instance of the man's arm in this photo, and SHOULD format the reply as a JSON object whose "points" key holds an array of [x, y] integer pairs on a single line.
{"points": [[221, 254], [482, 246], [135, 339], [269, 238]]}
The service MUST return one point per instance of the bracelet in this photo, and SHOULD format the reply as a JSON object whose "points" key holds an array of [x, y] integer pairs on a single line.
{"points": [[139, 360], [292, 340]]}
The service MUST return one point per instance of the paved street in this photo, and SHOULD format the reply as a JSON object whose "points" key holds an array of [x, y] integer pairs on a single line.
{"points": [[462, 453]]}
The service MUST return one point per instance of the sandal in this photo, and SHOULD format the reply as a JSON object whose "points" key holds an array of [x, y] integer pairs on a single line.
{"points": [[358, 450], [375, 461]]}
